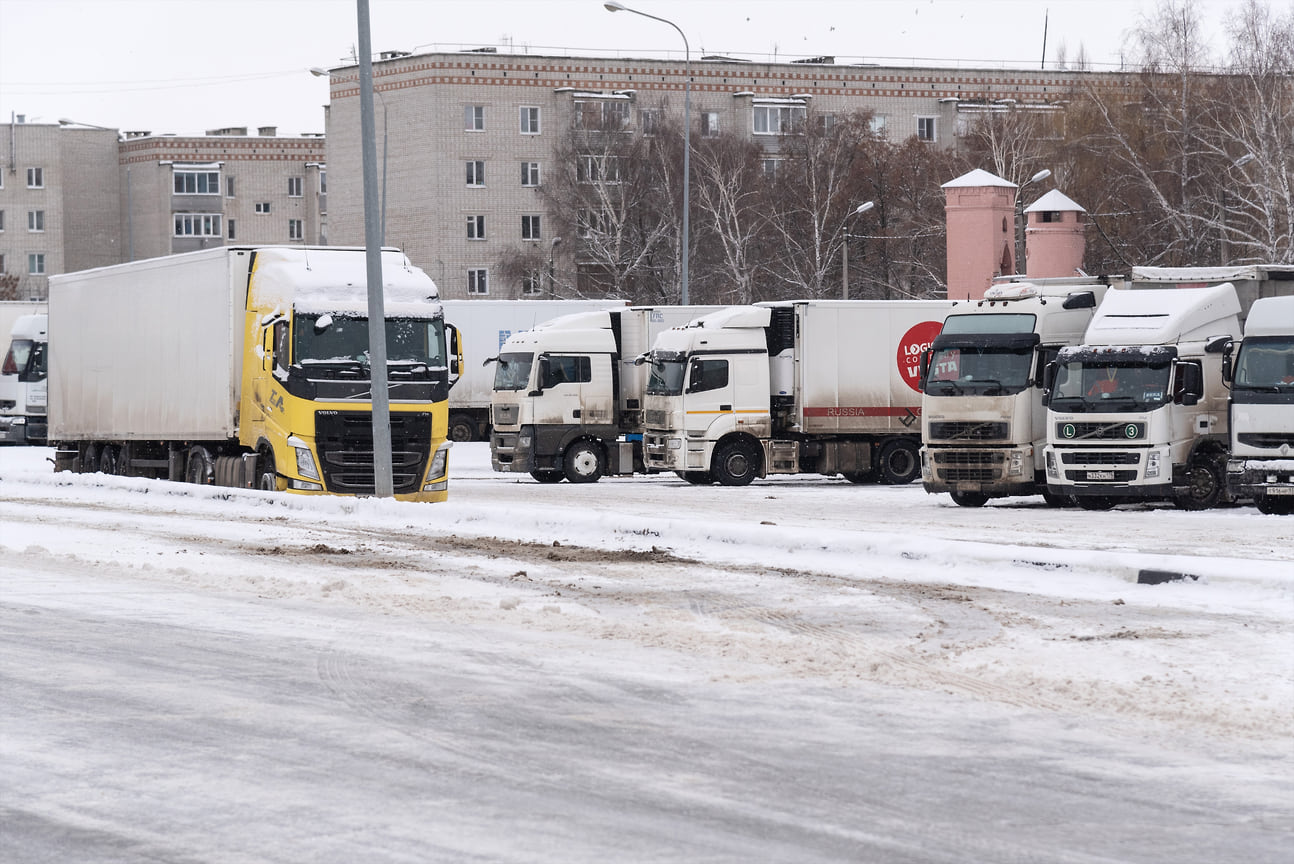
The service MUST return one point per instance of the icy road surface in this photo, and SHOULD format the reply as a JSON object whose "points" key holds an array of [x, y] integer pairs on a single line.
{"points": [[635, 671]]}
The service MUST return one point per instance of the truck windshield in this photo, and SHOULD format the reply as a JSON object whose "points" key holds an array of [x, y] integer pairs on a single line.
{"points": [[15, 361], [513, 371], [979, 371], [1087, 385], [344, 340], [1265, 363], [667, 372]]}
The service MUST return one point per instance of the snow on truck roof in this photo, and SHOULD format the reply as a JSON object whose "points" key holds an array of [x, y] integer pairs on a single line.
{"points": [[1271, 316], [335, 280], [1165, 316]]}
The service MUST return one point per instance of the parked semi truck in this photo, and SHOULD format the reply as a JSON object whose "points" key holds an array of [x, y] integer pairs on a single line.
{"points": [[1260, 371], [568, 394], [983, 421], [22, 383], [483, 327], [1139, 411], [248, 366], [810, 386]]}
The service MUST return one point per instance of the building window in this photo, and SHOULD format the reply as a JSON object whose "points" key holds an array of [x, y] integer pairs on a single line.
{"points": [[598, 169], [877, 125], [590, 223], [649, 121], [529, 173], [231, 229], [197, 225], [609, 114], [474, 118], [229, 187], [529, 120], [826, 122], [323, 182], [475, 172], [530, 228], [778, 119], [36, 263], [769, 167], [197, 182], [532, 283], [262, 206], [926, 129], [35, 220], [295, 186], [1050, 216], [36, 178], [1, 219], [2, 270], [296, 229], [476, 227], [478, 281], [710, 124]]}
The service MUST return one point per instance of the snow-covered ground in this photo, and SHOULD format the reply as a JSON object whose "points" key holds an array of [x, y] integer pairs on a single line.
{"points": [[637, 670]]}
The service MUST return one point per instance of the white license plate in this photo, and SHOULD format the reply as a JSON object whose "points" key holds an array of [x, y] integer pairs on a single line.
{"points": [[1100, 475], [1280, 490]]}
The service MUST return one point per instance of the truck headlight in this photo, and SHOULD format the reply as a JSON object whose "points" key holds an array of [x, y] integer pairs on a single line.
{"points": [[305, 460], [674, 443], [1015, 464], [1050, 456], [1152, 464], [439, 462]]}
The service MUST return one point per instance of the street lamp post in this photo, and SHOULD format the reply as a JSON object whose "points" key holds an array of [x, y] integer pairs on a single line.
{"points": [[552, 282], [1020, 264], [616, 6], [844, 249]]}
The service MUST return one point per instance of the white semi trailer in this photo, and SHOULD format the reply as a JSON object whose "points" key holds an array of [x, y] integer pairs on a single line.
{"points": [[1139, 411], [568, 394], [1260, 371], [483, 327], [810, 386], [984, 424]]}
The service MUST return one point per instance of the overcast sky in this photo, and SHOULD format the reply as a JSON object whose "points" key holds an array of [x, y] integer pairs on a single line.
{"points": [[185, 66]]}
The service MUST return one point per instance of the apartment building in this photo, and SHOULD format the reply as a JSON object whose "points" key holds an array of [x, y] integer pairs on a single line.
{"points": [[465, 139], [75, 196]]}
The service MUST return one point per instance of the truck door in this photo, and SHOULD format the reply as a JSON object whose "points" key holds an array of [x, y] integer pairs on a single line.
{"points": [[708, 392], [563, 379]]}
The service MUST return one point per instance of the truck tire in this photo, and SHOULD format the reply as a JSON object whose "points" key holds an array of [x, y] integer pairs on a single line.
{"points": [[899, 462], [110, 459], [969, 499], [1204, 485], [462, 428], [1054, 500], [1274, 505], [547, 476], [860, 477], [697, 478], [199, 468], [267, 477], [584, 462], [735, 464], [90, 459], [1096, 502]]}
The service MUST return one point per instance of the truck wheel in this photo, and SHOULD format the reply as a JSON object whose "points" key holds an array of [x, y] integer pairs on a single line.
{"points": [[547, 476], [90, 459], [969, 499], [735, 464], [1096, 502], [583, 462], [267, 477], [110, 459], [461, 428], [697, 478], [860, 476], [899, 462], [1203, 485], [199, 468], [1054, 500], [1274, 505]]}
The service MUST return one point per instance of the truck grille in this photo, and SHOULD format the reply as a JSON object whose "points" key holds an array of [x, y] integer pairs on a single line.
{"points": [[1101, 458], [345, 443], [961, 466], [506, 415], [656, 418], [1266, 440], [1100, 431], [968, 431]]}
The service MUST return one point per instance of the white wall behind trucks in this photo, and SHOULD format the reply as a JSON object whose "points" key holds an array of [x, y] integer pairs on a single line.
{"points": [[483, 326], [1260, 372], [127, 361]]}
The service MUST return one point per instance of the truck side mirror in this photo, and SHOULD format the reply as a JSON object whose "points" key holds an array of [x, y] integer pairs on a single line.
{"points": [[1190, 383], [925, 370], [1080, 300], [455, 353], [544, 372], [1227, 368], [1048, 381]]}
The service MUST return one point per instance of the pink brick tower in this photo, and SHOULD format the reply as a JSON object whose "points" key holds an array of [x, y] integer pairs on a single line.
{"points": [[980, 209], [1054, 236]]}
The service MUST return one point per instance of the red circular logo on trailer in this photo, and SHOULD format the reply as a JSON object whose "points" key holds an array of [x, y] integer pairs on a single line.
{"points": [[914, 343]]}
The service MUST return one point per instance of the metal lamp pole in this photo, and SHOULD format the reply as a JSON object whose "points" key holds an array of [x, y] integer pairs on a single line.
{"points": [[844, 249], [1020, 264]]}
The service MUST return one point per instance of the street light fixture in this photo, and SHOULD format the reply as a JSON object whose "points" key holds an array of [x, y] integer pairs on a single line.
{"points": [[320, 72], [1020, 264], [844, 249], [616, 6]]}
